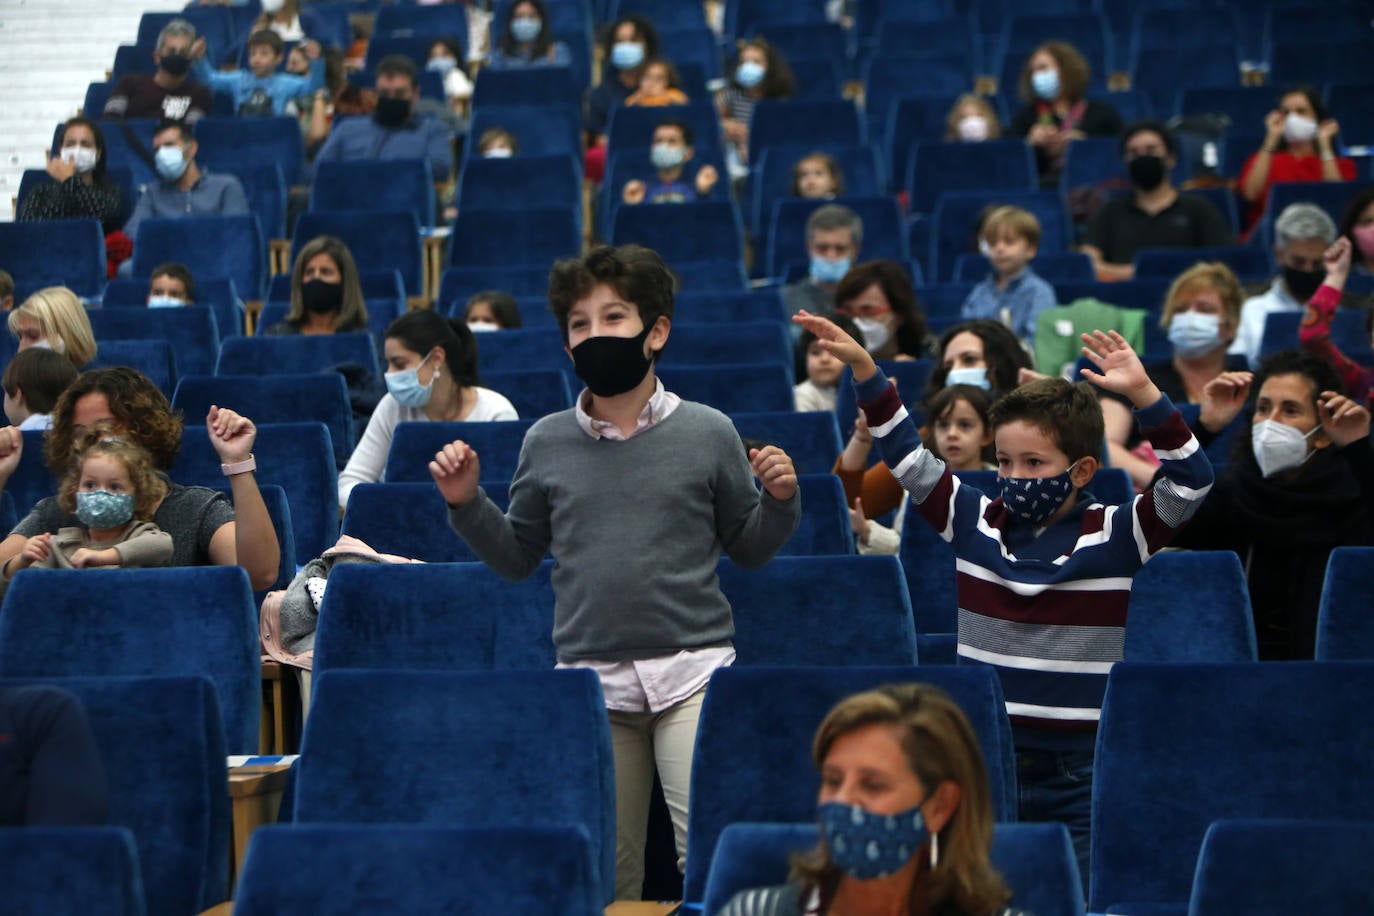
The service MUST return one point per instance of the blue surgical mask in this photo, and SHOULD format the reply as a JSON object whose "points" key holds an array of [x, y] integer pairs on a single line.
{"points": [[1034, 499], [525, 29], [666, 157], [865, 845], [1194, 333], [442, 65], [969, 375], [404, 385], [171, 162], [749, 74], [824, 270], [1046, 84], [101, 509], [626, 55], [164, 302]]}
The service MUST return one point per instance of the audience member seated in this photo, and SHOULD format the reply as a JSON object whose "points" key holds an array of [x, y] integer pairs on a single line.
{"points": [[6, 291], [905, 815], [446, 59], [54, 319], [33, 381], [817, 176], [761, 72], [660, 85], [80, 191], [261, 90], [169, 94], [983, 354], [1299, 145], [1155, 215], [972, 120], [497, 143], [629, 43], [326, 295], [834, 234], [1302, 234], [1053, 85], [1314, 334], [677, 179], [820, 389], [878, 296], [207, 529], [492, 310], [431, 365], [1300, 485], [393, 131], [185, 189], [286, 19], [1358, 226], [50, 769], [171, 286], [528, 41], [339, 98], [1201, 313], [1012, 293]]}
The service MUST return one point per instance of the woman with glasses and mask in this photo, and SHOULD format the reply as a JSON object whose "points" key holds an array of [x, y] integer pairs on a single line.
{"points": [[878, 296]]}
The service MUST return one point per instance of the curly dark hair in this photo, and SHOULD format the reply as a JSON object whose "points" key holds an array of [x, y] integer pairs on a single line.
{"points": [[149, 488], [637, 274], [139, 408], [1002, 352]]}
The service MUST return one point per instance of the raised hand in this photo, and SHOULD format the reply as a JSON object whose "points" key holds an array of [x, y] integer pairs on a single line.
{"points": [[634, 192], [197, 49], [774, 468], [1119, 369], [456, 470], [232, 435], [1344, 420], [11, 450], [707, 176], [857, 520], [1328, 129], [1273, 126], [60, 169], [1222, 398], [1336, 260], [839, 344]]}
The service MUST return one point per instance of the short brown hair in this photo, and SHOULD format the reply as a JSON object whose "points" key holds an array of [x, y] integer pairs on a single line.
{"points": [[495, 135], [139, 407], [1074, 71], [269, 38], [179, 272], [940, 746], [1020, 223], [637, 274], [1068, 412], [6, 284], [149, 488], [1212, 275], [41, 374], [893, 280]]}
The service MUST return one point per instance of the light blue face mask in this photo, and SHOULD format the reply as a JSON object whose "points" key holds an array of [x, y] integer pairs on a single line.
{"points": [[666, 157], [824, 270], [171, 162], [969, 375], [441, 65], [1046, 84], [101, 509], [404, 385], [164, 302], [626, 55], [525, 29], [749, 74], [1194, 333]]}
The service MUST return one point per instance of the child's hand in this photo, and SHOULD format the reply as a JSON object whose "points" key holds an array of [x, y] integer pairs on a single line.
{"points": [[707, 176], [1222, 398], [858, 521], [36, 549], [231, 435], [86, 558], [311, 49], [838, 344], [197, 49], [456, 470], [634, 192], [1120, 369], [775, 470], [11, 450], [1344, 420]]}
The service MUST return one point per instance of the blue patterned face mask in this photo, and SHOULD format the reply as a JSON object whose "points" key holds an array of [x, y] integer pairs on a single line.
{"points": [[101, 509], [865, 845], [1034, 499]]}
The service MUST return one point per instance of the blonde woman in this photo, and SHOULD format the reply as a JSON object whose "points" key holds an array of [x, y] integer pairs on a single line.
{"points": [[972, 120], [54, 318], [326, 296]]}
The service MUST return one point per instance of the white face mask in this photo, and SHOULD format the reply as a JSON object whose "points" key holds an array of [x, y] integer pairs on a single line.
{"points": [[272, 6], [81, 158], [973, 128], [46, 344], [1298, 129], [875, 333], [497, 152], [1278, 447], [481, 327]]}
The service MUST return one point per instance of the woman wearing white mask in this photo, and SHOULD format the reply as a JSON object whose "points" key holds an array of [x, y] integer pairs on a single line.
{"points": [[879, 297], [1299, 145], [1301, 484], [1201, 314], [972, 120], [81, 190], [431, 375], [527, 40], [1054, 85]]}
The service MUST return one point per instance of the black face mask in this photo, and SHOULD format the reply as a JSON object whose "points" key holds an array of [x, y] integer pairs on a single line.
{"points": [[612, 365], [392, 112], [1147, 172], [321, 297], [1302, 283], [175, 64]]}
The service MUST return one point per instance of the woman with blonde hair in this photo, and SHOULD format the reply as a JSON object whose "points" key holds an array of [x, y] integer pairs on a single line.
{"points": [[972, 120], [905, 815], [326, 295], [54, 318]]}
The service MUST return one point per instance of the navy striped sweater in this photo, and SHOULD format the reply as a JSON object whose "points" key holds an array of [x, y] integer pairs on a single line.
{"points": [[1045, 607]]}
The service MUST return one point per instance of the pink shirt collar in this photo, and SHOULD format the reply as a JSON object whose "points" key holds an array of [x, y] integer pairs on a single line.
{"points": [[661, 404]]}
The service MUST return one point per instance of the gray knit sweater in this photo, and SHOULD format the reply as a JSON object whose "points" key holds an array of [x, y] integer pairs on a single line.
{"points": [[635, 528]]}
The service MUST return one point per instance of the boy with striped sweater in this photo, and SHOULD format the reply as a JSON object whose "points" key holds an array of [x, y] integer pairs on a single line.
{"points": [[1044, 571]]}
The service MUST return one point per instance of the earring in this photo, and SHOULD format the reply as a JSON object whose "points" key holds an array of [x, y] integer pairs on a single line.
{"points": [[934, 850]]}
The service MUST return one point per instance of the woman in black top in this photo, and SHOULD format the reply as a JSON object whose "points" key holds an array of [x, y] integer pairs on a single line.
{"points": [[1054, 84], [80, 191]]}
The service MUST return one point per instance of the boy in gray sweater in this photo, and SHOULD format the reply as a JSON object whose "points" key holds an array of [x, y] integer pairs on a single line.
{"points": [[635, 492]]}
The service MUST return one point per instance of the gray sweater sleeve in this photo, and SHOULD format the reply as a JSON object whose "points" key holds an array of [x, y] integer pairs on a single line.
{"points": [[148, 545], [751, 524], [512, 545]]}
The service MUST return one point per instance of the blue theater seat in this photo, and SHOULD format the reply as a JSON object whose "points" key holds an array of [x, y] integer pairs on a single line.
{"points": [[405, 184], [294, 354], [734, 388], [521, 182], [153, 358], [1250, 264], [820, 123], [211, 246], [225, 144], [700, 231], [321, 397], [1191, 606], [64, 869], [410, 520], [413, 445], [536, 86], [192, 332], [632, 126], [545, 130], [811, 439], [60, 252], [1344, 628], [533, 392], [378, 240], [516, 238]]}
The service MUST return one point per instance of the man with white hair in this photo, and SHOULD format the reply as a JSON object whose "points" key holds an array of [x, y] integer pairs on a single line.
{"points": [[169, 94], [1302, 234]]}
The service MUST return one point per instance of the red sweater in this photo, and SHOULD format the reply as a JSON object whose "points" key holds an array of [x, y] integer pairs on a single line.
{"points": [[1284, 166]]}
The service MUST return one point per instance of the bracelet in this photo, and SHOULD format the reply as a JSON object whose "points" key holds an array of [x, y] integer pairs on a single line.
{"points": [[239, 467]]}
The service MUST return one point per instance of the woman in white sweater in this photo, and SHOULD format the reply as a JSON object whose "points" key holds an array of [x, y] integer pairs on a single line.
{"points": [[431, 374]]}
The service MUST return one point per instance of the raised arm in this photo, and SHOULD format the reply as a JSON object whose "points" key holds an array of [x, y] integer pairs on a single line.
{"points": [[249, 540], [512, 545]]}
